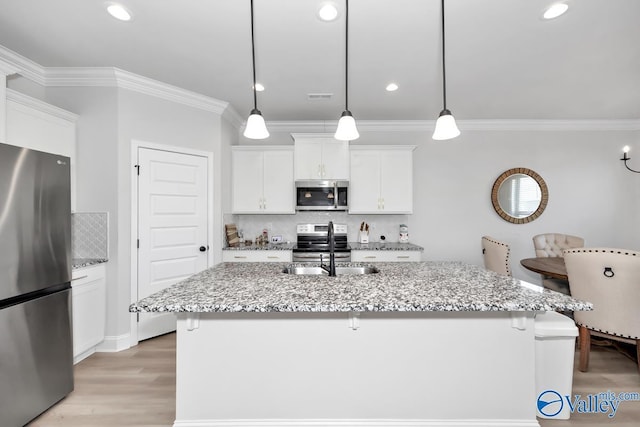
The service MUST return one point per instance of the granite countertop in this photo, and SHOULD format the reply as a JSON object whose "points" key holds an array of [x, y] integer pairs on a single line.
{"points": [[385, 246], [285, 246], [398, 287], [86, 262]]}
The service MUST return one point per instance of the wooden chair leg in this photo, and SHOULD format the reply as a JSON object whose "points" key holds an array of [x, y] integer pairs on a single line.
{"points": [[585, 347], [638, 353]]}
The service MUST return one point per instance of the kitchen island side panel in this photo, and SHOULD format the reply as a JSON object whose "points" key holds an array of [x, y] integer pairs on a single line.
{"points": [[409, 367]]}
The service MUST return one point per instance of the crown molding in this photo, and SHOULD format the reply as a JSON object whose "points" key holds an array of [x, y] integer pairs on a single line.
{"points": [[38, 105], [109, 77], [321, 126]]}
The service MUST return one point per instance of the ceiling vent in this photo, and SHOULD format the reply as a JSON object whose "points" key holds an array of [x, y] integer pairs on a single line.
{"points": [[319, 96]]}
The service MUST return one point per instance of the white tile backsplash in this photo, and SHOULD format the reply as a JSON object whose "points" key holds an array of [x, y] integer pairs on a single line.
{"points": [[90, 235], [285, 225]]}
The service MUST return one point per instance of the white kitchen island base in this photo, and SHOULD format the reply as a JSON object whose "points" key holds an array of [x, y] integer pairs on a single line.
{"points": [[356, 369]]}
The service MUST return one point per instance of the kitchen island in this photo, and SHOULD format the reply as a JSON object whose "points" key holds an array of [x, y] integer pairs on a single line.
{"points": [[416, 344]]}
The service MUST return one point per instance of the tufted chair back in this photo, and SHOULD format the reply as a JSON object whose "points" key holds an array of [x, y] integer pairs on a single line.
{"points": [[610, 279], [552, 244], [496, 255]]}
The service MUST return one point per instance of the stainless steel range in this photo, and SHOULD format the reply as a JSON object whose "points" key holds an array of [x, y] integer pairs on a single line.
{"points": [[313, 242]]}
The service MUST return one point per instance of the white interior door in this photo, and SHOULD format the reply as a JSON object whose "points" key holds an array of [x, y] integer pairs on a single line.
{"points": [[172, 227]]}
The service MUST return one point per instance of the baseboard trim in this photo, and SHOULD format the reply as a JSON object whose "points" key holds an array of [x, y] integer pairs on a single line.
{"points": [[114, 343], [355, 423]]}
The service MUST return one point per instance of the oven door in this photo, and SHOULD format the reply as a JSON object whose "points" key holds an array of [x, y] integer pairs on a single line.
{"points": [[306, 256], [322, 195]]}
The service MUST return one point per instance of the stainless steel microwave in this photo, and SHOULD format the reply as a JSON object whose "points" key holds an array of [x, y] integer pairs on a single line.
{"points": [[322, 195]]}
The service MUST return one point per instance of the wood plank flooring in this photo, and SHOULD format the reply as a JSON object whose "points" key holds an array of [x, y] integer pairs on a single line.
{"points": [[136, 387]]}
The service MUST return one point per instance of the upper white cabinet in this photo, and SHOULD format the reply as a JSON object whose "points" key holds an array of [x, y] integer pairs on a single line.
{"points": [[381, 179], [262, 180], [34, 124], [320, 156]]}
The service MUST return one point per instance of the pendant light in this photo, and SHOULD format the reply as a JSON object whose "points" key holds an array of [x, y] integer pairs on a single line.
{"points": [[347, 130], [446, 127], [255, 127]]}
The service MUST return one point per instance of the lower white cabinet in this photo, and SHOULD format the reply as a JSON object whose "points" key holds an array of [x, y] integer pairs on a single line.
{"points": [[88, 287], [386, 256], [256, 256]]}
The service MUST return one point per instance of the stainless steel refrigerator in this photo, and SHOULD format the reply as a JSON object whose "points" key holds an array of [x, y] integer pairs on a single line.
{"points": [[36, 352]]}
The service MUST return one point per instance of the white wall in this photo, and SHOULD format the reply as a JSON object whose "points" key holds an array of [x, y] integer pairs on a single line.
{"points": [[591, 194], [110, 119]]}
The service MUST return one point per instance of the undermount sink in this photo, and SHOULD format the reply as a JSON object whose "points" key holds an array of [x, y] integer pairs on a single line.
{"points": [[340, 270]]}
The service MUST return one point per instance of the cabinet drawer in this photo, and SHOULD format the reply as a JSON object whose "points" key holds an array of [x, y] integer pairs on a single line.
{"points": [[385, 256], [256, 256]]}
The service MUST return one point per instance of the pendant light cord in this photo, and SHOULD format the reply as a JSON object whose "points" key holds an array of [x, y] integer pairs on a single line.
{"points": [[444, 74], [253, 59], [346, 56]]}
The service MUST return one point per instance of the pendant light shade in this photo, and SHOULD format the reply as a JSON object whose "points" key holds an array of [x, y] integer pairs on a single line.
{"points": [[347, 130], [446, 127], [255, 128]]}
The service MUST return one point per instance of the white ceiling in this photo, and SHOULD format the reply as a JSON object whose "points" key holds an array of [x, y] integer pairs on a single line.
{"points": [[503, 60]]}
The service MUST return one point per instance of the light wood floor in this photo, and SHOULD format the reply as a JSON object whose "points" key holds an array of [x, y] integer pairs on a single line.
{"points": [[136, 387]]}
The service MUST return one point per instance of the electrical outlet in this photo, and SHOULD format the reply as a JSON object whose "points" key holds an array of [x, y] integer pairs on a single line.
{"points": [[276, 239]]}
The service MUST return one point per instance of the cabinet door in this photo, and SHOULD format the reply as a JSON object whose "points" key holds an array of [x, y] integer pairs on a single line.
{"points": [[335, 160], [396, 183], [247, 180], [89, 310], [364, 186], [308, 159], [278, 195]]}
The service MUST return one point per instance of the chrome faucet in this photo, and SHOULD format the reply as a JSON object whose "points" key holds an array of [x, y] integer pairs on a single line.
{"points": [[331, 269]]}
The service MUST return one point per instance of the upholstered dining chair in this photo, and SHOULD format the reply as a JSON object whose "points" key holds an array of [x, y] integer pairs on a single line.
{"points": [[610, 279], [496, 255], [552, 245]]}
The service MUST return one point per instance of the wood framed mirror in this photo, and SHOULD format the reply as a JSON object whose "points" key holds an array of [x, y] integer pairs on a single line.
{"points": [[519, 195]]}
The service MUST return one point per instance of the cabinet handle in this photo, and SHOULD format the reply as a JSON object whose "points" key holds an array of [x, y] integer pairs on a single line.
{"points": [[81, 277], [324, 172], [382, 199], [264, 203], [319, 171], [239, 257], [273, 257], [403, 256], [371, 257]]}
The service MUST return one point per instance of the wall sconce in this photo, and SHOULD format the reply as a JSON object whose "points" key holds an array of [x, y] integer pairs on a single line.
{"points": [[625, 158]]}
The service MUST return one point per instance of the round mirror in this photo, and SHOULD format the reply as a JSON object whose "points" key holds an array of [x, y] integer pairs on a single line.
{"points": [[519, 195]]}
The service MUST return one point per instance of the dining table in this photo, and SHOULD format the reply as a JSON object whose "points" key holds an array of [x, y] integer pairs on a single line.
{"points": [[547, 266]]}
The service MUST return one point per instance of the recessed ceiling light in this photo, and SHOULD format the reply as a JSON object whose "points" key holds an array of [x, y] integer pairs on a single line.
{"points": [[259, 87], [555, 10], [328, 12], [391, 87], [118, 11]]}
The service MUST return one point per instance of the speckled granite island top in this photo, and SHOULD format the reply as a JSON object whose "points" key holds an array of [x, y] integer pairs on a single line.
{"points": [[398, 287]]}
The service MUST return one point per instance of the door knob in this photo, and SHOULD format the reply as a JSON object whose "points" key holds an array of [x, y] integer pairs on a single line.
{"points": [[203, 248]]}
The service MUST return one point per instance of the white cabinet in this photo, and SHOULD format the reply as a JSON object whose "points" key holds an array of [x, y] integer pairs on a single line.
{"points": [[381, 180], [256, 256], [320, 156], [385, 256], [262, 180], [34, 124], [89, 309]]}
